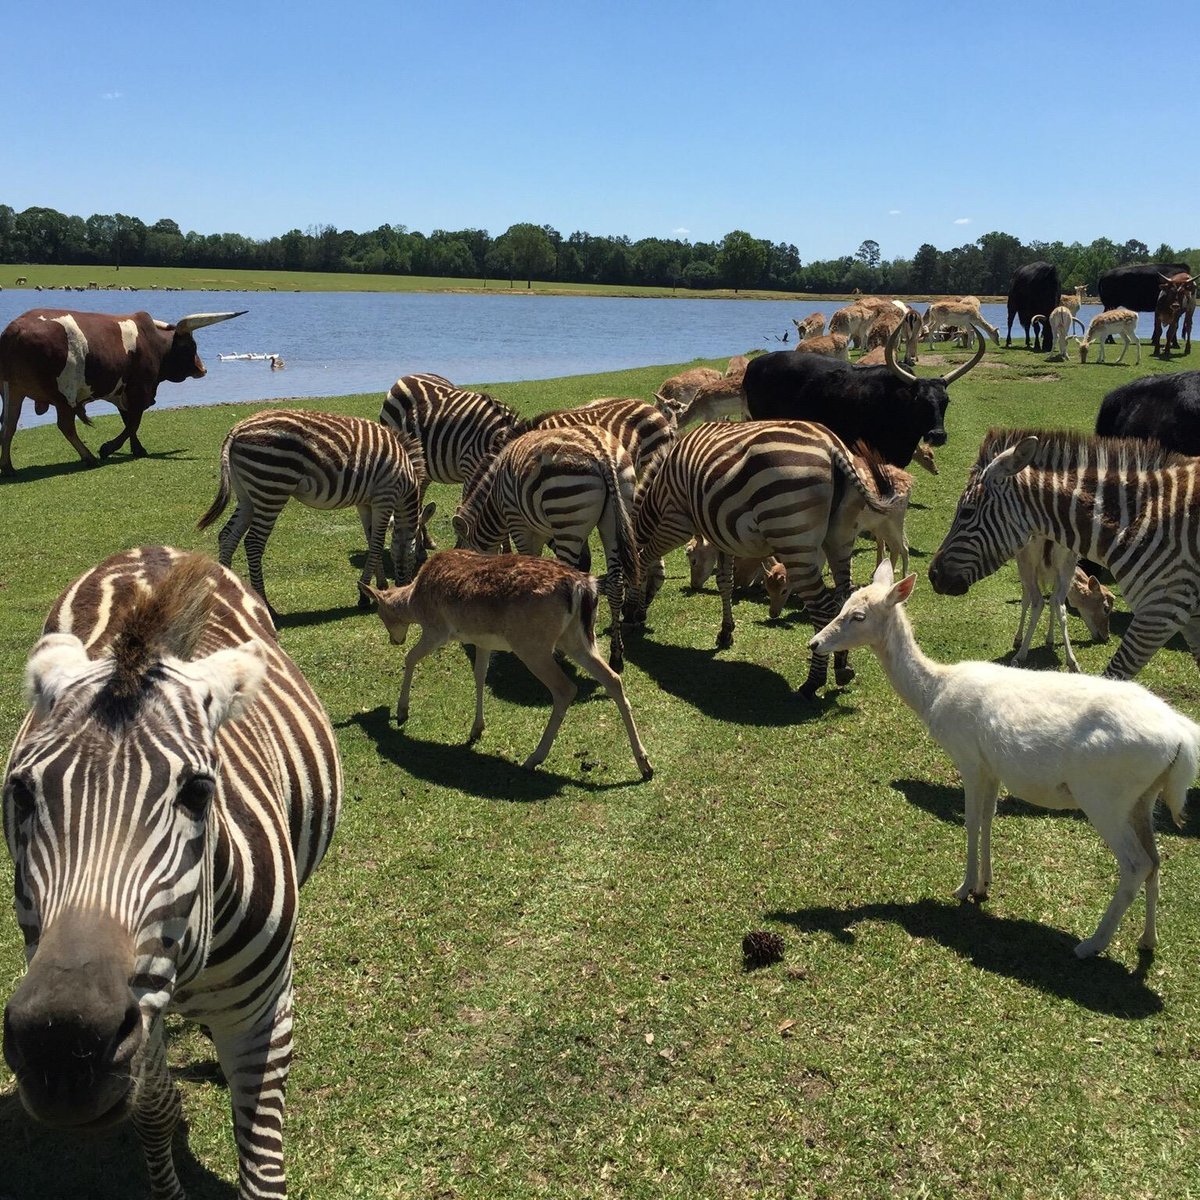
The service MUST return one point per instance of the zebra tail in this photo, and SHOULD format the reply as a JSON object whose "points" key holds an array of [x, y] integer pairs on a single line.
{"points": [[627, 551], [878, 490], [217, 507]]}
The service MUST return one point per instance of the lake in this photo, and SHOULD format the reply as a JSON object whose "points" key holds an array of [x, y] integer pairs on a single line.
{"points": [[338, 343]]}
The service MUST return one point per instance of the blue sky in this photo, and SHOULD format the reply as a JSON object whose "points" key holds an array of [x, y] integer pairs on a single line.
{"points": [[820, 125]]}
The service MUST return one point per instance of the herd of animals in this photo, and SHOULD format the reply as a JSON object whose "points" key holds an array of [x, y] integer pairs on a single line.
{"points": [[176, 779]]}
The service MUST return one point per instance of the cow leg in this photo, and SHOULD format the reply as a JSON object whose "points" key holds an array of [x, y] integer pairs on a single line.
{"points": [[12, 411], [132, 418], [66, 426]]}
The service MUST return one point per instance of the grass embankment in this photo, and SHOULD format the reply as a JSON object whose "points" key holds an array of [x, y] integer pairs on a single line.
{"points": [[516, 984], [210, 279]]}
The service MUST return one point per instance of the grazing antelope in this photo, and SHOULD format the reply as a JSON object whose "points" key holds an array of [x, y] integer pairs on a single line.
{"points": [[1116, 322], [829, 345], [962, 312], [855, 321], [531, 606], [1059, 323], [676, 393], [811, 326]]}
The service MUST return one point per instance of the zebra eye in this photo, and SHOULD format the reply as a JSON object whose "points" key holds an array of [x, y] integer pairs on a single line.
{"points": [[196, 794], [22, 796]]}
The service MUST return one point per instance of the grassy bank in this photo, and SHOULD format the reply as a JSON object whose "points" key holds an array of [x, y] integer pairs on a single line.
{"points": [[516, 984], [206, 279]]}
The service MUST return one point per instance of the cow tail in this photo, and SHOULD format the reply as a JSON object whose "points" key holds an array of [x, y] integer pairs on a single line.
{"points": [[217, 507]]}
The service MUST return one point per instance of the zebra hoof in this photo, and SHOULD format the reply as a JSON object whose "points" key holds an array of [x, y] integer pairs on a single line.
{"points": [[617, 662], [808, 692], [364, 601], [843, 675]]}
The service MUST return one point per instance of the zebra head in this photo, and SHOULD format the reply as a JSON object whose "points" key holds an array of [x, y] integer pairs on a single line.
{"points": [[990, 524], [110, 807]]}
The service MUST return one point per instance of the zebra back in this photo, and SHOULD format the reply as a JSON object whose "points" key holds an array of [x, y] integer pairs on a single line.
{"points": [[457, 430], [642, 429]]}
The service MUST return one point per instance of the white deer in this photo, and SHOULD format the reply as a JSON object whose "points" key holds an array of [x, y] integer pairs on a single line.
{"points": [[1106, 746]]}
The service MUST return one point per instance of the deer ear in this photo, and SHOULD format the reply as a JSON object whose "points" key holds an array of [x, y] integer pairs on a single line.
{"points": [[901, 591], [884, 573]]}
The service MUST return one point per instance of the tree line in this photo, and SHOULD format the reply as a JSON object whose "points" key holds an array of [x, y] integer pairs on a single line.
{"points": [[527, 252]]}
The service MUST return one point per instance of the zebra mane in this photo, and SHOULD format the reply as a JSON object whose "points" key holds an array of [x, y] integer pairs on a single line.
{"points": [[166, 620], [1062, 449], [876, 465]]}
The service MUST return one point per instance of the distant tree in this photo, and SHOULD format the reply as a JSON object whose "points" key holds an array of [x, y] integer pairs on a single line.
{"points": [[700, 274], [742, 260], [530, 250], [1164, 254], [925, 268], [868, 253], [1134, 252], [1002, 255]]}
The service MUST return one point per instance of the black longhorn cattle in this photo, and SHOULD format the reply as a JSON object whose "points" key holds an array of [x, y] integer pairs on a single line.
{"points": [[62, 358], [886, 407], [1136, 286], [1163, 408], [1034, 291]]}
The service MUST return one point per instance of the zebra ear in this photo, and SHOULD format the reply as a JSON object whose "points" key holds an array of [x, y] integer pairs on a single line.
{"points": [[233, 678], [1017, 458], [54, 664]]}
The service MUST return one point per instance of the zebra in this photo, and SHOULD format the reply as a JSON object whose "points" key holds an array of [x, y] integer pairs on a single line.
{"points": [[324, 460], [459, 431], [558, 485], [1129, 504], [645, 431], [174, 783], [753, 489]]}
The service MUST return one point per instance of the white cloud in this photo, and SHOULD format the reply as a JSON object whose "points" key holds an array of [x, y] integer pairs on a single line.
{"points": [[893, 212], [110, 95], [962, 221], [681, 232]]}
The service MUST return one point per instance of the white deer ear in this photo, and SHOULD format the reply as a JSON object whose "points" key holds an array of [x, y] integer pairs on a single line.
{"points": [[233, 678], [55, 663], [901, 591], [884, 573]]}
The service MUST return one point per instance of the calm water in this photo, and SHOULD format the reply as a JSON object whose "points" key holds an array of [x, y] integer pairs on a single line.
{"points": [[345, 343]]}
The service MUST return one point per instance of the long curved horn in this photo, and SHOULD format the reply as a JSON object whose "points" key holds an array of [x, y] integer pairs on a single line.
{"points": [[889, 356], [961, 370], [199, 320]]}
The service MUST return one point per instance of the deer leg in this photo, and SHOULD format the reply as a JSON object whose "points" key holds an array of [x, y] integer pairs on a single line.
{"points": [[541, 662]]}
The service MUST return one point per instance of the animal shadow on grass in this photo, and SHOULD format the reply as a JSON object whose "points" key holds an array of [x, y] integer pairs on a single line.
{"points": [[75, 466], [727, 689], [41, 1162], [317, 616], [470, 769], [1036, 955]]}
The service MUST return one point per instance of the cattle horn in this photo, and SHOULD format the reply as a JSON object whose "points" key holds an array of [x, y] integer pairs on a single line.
{"points": [[198, 320], [963, 368], [889, 356]]}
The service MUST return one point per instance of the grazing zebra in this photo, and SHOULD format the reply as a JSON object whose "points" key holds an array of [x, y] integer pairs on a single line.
{"points": [[1127, 503], [174, 783], [753, 489], [645, 431], [458, 431], [324, 460], [558, 485]]}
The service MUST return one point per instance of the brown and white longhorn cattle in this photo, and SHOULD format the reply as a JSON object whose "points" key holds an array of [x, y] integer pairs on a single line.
{"points": [[1176, 298], [65, 359]]}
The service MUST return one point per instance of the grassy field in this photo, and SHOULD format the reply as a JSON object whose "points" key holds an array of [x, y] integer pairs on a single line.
{"points": [[516, 984], [204, 279]]}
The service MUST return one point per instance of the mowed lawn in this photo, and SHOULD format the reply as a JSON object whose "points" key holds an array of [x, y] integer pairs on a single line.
{"points": [[515, 984]]}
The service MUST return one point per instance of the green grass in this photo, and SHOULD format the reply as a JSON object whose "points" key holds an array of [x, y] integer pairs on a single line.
{"points": [[516, 984], [214, 279]]}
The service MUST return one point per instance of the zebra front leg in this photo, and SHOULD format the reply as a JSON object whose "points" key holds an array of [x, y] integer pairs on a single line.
{"points": [[821, 605], [256, 1060], [155, 1115], [374, 520], [725, 587]]}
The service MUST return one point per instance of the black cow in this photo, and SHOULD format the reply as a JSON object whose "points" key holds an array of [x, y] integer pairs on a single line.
{"points": [[1165, 408], [886, 407], [1136, 286], [1034, 291]]}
